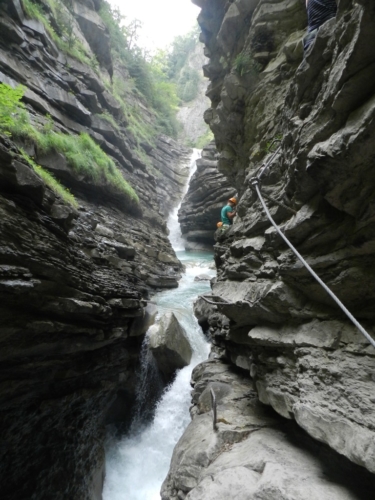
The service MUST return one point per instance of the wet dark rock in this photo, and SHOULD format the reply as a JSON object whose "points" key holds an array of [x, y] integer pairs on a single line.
{"points": [[200, 209], [74, 283]]}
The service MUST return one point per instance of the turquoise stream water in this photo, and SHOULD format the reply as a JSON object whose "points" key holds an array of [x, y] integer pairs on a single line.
{"points": [[137, 465]]}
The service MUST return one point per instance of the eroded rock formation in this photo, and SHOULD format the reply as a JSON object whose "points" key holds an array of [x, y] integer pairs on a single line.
{"points": [[74, 283], [169, 345], [200, 209], [307, 360], [253, 454]]}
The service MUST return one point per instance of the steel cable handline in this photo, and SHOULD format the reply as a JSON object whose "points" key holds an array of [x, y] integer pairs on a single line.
{"points": [[263, 168], [255, 184]]}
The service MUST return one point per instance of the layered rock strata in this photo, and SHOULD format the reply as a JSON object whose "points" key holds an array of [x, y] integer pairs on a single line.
{"points": [[307, 360], [74, 283], [76, 98], [200, 209], [253, 453]]}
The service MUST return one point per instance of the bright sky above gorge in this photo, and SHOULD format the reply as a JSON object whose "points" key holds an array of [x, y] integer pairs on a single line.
{"points": [[162, 19]]}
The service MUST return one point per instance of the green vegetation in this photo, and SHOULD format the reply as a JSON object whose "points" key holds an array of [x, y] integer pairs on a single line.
{"points": [[51, 181], [82, 153], [182, 46], [10, 107], [185, 77], [62, 31], [188, 84], [204, 139], [244, 64], [148, 78]]}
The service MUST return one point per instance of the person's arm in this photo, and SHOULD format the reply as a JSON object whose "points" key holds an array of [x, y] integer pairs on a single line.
{"points": [[231, 214]]}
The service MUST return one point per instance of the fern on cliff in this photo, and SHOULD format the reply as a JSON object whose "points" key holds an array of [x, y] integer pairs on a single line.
{"points": [[244, 63]]}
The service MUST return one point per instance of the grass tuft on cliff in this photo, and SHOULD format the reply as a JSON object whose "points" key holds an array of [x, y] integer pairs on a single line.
{"points": [[63, 35], [51, 181], [82, 153]]}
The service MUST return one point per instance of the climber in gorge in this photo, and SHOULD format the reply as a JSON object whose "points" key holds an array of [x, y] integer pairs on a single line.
{"points": [[228, 212], [318, 12]]}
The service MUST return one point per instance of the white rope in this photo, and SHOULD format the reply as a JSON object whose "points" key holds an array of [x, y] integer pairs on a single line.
{"points": [[338, 302]]}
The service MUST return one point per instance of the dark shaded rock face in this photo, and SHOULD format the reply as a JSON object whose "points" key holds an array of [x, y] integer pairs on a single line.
{"points": [[74, 283], [308, 361], [200, 209]]}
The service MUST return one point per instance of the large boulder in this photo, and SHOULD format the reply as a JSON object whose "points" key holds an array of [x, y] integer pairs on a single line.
{"points": [[169, 345]]}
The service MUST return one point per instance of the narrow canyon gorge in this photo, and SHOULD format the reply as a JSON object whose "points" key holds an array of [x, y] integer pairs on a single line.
{"points": [[145, 353]]}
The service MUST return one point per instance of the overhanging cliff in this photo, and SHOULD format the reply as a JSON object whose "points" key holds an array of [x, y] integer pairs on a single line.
{"points": [[308, 361]]}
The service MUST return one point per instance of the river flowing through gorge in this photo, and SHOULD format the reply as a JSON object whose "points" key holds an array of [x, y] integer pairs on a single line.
{"points": [[138, 463]]}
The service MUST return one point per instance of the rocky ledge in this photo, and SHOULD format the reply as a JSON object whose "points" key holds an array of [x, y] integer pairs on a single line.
{"points": [[200, 209], [253, 454], [307, 360]]}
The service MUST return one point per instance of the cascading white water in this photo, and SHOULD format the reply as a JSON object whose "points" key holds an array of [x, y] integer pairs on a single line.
{"points": [[175, 235], [137, 465]]}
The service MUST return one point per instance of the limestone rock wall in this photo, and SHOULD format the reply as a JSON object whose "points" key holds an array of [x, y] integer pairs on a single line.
{"points": [[190, 114], [253, 453], [74, 283], [200, 209], [307, 360]]}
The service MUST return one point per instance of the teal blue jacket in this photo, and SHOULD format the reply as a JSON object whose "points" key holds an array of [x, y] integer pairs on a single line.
{"points": [[224, 217]]}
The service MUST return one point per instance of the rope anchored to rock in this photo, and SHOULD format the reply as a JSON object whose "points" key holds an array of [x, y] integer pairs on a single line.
{"points": [[256, 186], [224, 302]]}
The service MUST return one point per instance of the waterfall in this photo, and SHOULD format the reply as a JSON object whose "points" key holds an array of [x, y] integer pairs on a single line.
{"points": [[148, 391], [175, 235], [138, 463]]}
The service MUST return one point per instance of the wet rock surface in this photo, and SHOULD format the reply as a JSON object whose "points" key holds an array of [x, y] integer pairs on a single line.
{"points": [[200, 209], [308, 361], [73, 288], [169, 345], [74, 283], [253, 453]]}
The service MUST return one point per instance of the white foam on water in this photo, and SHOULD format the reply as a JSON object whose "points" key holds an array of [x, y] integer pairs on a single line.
{"points": [[137, 465], [175, 236]]}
